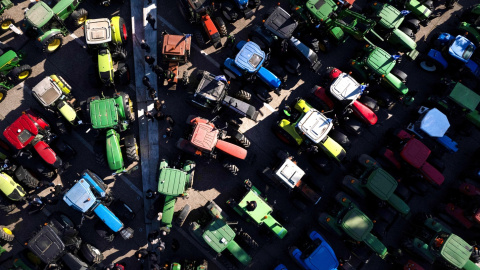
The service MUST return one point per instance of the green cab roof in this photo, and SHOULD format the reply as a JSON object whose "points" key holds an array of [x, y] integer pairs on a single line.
{"points": [[380, 61], [456, 251], [7, 57], [321, 9], [390, 17], [356, 224], [172, 182], [39, 14], [103, 113], [465, 97], [262, 209], [381, 184], [218, 234]]}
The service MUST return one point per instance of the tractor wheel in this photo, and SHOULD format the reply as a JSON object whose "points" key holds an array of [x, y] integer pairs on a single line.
{"points": [[353, 126], [183, 215], [78, 17], [385, 214], [192, 174], [199, 38], [104, 232], [231, 167], [91, 253], [292, 66], [53, 43], [26, 178], [437, 163], [429, 65], [222, 29], [321, 163], [254, 3], [243, 95], [6, 206], [123, 29], [3, 93], [119, 55], [248, 240], [242, 140], [340, 138], [132, 151], [279, 72], [324, 45], [123, 75], [20, 74], [261, 92], [370, 103], [228, 12], [284, 135], [400, 74], [6, 234], [99, 149], [385, 100], [312, 43], [128, 107], [5, 22], [408, 32], [412, 24]]}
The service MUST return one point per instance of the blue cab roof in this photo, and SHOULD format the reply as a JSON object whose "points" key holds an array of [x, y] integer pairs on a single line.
{"points": [[80, 196], [462, 49], [323, 258], [250, 57]]}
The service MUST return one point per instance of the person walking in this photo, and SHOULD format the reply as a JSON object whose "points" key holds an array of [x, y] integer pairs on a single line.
{"points": [[170, 120], [159, 72], [145, 46], [149, 116], [151, 21], [141, 254], [150, 60], [152, 93], [146, 81]]}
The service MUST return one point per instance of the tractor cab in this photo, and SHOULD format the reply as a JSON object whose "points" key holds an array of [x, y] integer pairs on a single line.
{"points": [[390, 17], [380, 61], [321, 9], [461, 48], [39, 15], [250, 58], [107, 113], [176, 48], [210, 93], [205, 136], [345, 89], [289, 173], [315, 125], [97, 32], [47, 92], [381, 184], [281, 24], [452, 249]]}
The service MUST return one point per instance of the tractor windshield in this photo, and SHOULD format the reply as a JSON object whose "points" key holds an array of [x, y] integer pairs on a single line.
{"points": [[468, 52], [255, 60], [24, 136]]}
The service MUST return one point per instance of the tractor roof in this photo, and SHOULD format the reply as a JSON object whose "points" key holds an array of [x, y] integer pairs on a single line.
{"points": [[172, 181], [39, 14], [380, 61], [345, 88], [210, 88], [323, 257], [7, 58], [12, 190], [321, 9], [80, 197], [434, 123], [175, 45], [262, 209], [465, 97], [315, 125], [218, 234], [205, 136], [280, 23], [356, 224], [46, 245], [289, 173], [415, 153], [381, 184], [103, 113], [21, 132], [250, 57], [390, 17], [47, 92], [456, 251], [98, 31], [462, 49]]}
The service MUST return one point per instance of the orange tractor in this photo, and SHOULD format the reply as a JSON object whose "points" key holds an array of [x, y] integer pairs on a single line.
{"points": [[175, 52]]}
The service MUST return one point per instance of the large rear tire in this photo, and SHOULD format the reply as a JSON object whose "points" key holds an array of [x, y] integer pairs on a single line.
{"points": [[78, 17], [6, 206], [131, 149], [52, 44], [6, 234], [20, 74], [92, 254], [5, 22], [222, 29], [232, 168], [3, 93], [199, 39], [28, 179]]}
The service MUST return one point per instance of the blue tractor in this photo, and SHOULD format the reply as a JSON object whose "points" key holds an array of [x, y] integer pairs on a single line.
{"points": [[248, 65], [316, 254], [453, 53], [89, 196], [232, 8]]}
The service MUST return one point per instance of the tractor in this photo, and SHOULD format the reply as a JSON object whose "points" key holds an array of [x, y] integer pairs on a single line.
{"points": [[376, 181], [189, 265], [47, 25], [232, 8], [471, 15], [31, 130], [452, 54], [248, 65], [89, 196], [55, 95], [57, 245], [262, 214], [204, 139], [174, 183], [288, 174], [434, 242], [212, 94], [113, 115], [346, 218], [5, 21], [421, 9], [277, 34], [202, 13], [314, 252], [11, 71], [213, 231], [376, 66], [175, 52], [106, 38], [307, 125]]}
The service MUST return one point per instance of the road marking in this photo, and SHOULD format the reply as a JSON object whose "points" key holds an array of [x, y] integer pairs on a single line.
{"points": [[78, 40], [270, 108], [210, 59]]}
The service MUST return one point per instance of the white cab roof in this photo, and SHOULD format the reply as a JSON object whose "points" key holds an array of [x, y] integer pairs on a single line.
{"points": [[289, 173], [315, 125], [98, 31], [344, 87]]}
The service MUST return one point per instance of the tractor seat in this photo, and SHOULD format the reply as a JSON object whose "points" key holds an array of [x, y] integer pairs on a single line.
{"points": [[432, 174]]}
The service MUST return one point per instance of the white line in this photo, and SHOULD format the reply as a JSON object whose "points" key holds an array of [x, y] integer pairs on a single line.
{"points": [[79, 41], [269, 107], [131, 185], [215, 63]]}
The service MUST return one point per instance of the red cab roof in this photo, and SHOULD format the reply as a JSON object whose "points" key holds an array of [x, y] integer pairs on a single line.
{"points": [[415, 153], [21, 132]]}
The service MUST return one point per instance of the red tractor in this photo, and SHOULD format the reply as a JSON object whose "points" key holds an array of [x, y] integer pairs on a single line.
{"points": [[200, 12], [30, 130], [464, 207], [205, 139]]}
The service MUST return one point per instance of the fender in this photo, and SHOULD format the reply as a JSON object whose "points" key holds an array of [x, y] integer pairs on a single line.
{"points": [[231, 149], [333, 149], [473, 67], [474, 118], [240, 44], [398, 204], [403, 40], [390, 156], [114, 152], [37, 119], [108, 218], [290, 129], [305, 53], [417, 8], [116, 30], [297, 255], [121, 109], [47, 154], [230, 65], [458, 214], [269, 78], [395, 83], [337, 32], [94, 181], [48, 34], [67, 111], [358, 68], [376, 245], [334, 73], [321, 93], [302, 106], [354, 185], [422, 249], [365, 113], [65, 89], [436, 56]]}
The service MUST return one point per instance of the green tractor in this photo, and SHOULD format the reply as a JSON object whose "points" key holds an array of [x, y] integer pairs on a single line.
{"points": [[11, 71], [262, 212], [347, 219], [5, 21], [173, 183], [106, 38], [47, 24], [189, 265], [213, 231], [434, 242], [113, 115]]}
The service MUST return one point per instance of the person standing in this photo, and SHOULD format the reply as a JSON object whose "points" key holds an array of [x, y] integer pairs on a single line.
{"points": [[145, 46], [149, 116], [150, 60], [151, 21]]}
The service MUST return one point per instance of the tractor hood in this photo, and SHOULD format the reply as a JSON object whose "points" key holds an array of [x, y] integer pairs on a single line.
{"points": [[250, 57], [46, 245], [47, 92], [98, 31], [381, 184], [381, 61], [21, 132], [114, 152], [103, 113], [462, 49], [289, 173], [315, 125], [80, 197], [356, 224], [12, 190], [172, 182], [321, 9], [8, 57], [280, 23], [39, 14], [345, 89], [390, 17], [434, 123], [175, 45], [456, 251], [465, 97]]}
